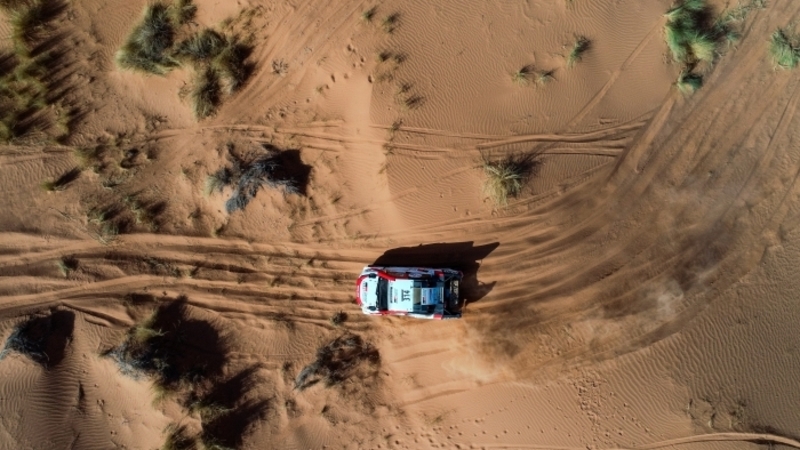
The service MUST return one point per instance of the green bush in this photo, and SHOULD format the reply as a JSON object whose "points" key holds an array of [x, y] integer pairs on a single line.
{"points": [[580, 47], [688, 82], [785, 48], [148, 47], [689, 33]]}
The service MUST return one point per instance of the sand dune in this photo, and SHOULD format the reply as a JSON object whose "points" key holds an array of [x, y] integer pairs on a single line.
{"points": [[637, 294]]}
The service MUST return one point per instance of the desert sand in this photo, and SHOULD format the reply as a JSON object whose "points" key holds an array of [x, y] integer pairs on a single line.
{"points": [[638, 293]]}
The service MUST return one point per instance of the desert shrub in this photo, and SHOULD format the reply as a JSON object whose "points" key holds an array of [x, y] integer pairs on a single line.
{"points": [[67, 265], [280, 67], [219, 61], [172, 349], [208, 410], [390, 22], [785, 48], [143, 213], [336, 361], [693, 35], [524, 75], [542, 77], [272, 169], [148, 46], [529, 74], [140, 353], [688, 82], [25, 98], [506, 177], [22, 340], [89, 157], [201, 46], [177, 438], [369, 14], [579, 47], [339, 318], [231, 66], [182, 11], [28, 18], [206, 93], [217, 181], [210, 442], [43, 338], [10, 6]]}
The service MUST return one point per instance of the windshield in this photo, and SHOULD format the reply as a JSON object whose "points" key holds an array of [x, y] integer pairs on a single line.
{"points": [[382, 292]]}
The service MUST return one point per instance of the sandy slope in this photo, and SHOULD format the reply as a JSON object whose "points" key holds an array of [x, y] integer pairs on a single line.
{"points": [[640, 294]]}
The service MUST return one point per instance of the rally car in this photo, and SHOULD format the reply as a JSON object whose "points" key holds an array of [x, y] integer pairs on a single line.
{"points": [[424, 293]]}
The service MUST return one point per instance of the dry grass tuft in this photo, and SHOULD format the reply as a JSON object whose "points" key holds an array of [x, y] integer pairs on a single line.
{"points": [[389, 23], [67, 265], [506, 177], [339, 318], [336, 361], [369, 14], [579, 47]]}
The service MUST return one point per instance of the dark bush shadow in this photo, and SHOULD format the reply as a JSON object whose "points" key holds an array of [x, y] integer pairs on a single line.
{"points": [[173, 347], [230, 392], [194, 349], [225, 419], [67, 178], [229, 430], [43, 339], [463, 256], [268, 167], [291, 167]]}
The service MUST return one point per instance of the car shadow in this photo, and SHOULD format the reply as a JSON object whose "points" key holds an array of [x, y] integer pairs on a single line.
{"points": [[463, 256]]}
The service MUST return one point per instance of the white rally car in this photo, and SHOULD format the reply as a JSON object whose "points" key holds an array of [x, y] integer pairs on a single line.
{"points": [[420, 292]]}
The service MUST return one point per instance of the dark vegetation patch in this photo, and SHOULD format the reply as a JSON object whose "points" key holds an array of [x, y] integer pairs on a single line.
{"points": [[528, 74], [174, 349], [784, 48], [44, 339], [339, 318], [148, 48], [579, 47], [507, 176], [117, 209], [60, 183], [67, 265], [337, 361], [267, 167], [696, 36], [186, 358], [178, 438], [206, 93], [226, 412], [32, 108], [155, 47]]}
